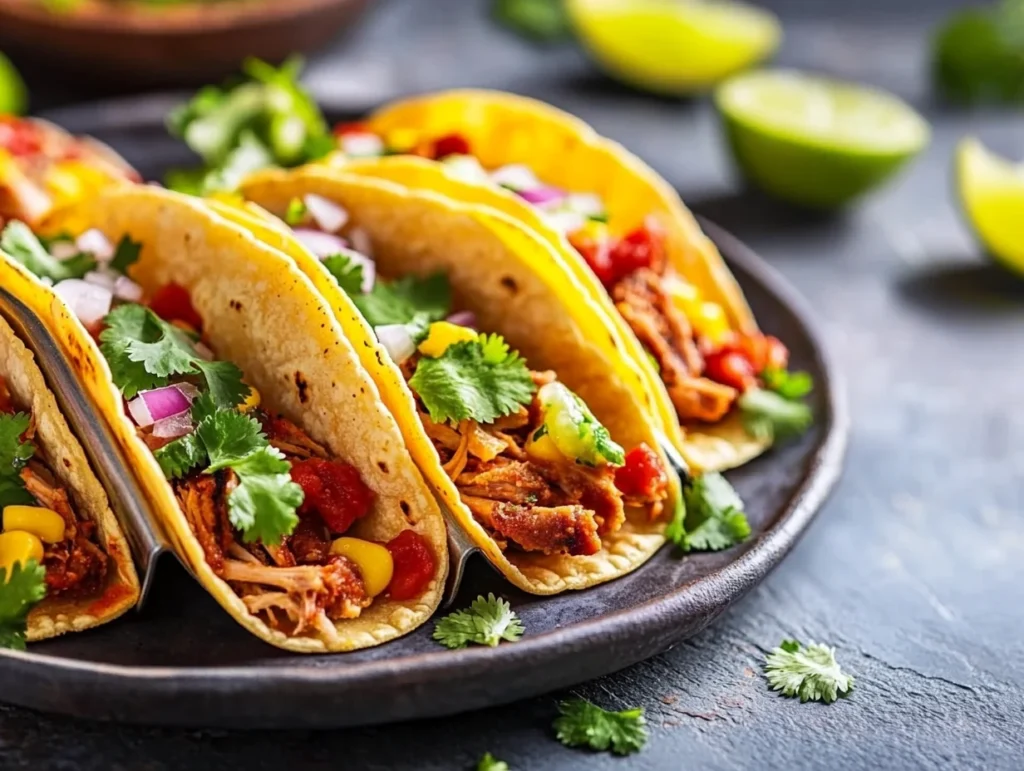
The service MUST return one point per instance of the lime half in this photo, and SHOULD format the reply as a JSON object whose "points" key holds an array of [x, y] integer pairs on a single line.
{"points": [[991, 192], [816, 142], [674, 47], [13, 94]]}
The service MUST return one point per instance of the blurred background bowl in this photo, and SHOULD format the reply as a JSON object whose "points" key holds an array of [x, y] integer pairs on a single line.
{"points": [[138, 44]]}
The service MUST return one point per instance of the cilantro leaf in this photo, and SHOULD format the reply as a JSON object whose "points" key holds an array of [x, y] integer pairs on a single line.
{"points": [[767, 416], [14, 454], [490, 763], [542, 21], [263, 504], [228, 437], [179, 457], [721, 532], [18, 593], [403, 301], [296, 212], [582, 724], [347, 272], [125, 255], [788, 385], [472, 380], [18, 241], [713, 518], [810, 672], [487, 621], [224, 380]]}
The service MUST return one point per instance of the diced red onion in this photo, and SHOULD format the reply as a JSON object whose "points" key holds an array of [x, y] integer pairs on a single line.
{"points": [[95, 243], [397, 340], [158, 404], [64, 250], [463, 319], [319, 243], [140, 412], [89, 302], [361, 241], [516, 176], [127, 290], [101, 278], [173, 427], [542, 196], [328, 216], [361, 145]]}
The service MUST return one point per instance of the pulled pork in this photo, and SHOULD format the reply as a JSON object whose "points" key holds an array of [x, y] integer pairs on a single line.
{"points": [[664, 330], [295, 586]]}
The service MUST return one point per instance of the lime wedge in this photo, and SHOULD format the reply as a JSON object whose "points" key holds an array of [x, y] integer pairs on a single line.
{"points": [[991, 191], [816, 142], [674, 47], [13, 94]]}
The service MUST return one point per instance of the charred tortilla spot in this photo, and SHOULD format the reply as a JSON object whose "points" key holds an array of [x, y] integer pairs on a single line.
{"points": [[66, 462], [235, 305], [382, 466], [405, 508], [303, 386], [379, 360], [510, 284]]}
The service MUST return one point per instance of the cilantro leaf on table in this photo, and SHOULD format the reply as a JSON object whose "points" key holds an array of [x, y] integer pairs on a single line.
{"points": [[406, 300], [126, 254], [543, 21], [144, 351], [490, 763], [14, 455], [347, 272], [768, 416], [487, 621], [582, 724], [475, 379], [263, 503], [19, 592], [810, 672], [19, 242], [788, 385]]}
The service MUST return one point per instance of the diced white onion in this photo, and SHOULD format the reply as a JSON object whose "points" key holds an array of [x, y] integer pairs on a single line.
{"points": [[587, 204], [64, 250], [465, 167], [397, 340], [516, 176], [319, 243], [328, 216], [362, 145], [95, 243], [89, 302], [566, 221], [173, 427], [101, 278], [127, 290]]}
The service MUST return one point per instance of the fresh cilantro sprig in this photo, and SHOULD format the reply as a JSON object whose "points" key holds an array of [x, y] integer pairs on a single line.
{"points": [[583, 724], [263, 504], [788, 385], [144, 351], [490, 763], [810, 672], [487, 621], [347, 272], [19, 592], [126, 254], [14, 455], [712, 517], [409, 299], [18, 241], [478, 380], [768, 416]]}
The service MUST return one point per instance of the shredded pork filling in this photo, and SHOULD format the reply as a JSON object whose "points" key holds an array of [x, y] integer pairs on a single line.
{"points": [[297, 586]]}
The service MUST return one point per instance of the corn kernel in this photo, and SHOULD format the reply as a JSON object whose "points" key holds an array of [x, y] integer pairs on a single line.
{"points": [[685, 296], [19, 546], [373, 560], [598, 231], [544, 448], [710, 322], [401, 140], [442, 334], [252, 401], [46, 524]]}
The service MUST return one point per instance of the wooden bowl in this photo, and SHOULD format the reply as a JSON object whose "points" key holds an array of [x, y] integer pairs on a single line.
{"points": [[134, 43]]}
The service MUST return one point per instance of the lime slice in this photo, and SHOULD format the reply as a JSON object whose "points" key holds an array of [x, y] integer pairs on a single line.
{"points": [[816, 142], [672, 47], [13, 94], [991, 192]]}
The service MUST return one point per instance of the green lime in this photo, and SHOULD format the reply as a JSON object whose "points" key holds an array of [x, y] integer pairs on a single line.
{"points": [[816, 142], [991, 191], [13, 94], [672, 47]]}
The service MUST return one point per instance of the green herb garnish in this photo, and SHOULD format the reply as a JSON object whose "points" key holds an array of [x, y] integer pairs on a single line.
{"points": [[487, 621], [14, 455], [768, 416], [810, 672], [18, 241], [25, 586], [542, 21], [582, 724]]}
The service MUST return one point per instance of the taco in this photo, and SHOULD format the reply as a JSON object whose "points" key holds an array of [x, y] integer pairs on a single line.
{"points": [[625, 236], [42, 167], [282, 479], [61, 547], [507, 382]]}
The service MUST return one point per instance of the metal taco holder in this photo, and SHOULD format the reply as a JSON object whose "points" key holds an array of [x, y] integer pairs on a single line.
{"points": [[460, 549], [133, 511]]}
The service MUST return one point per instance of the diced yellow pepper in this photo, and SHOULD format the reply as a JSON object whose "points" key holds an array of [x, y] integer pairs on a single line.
{"points": [[598, 231], [71, 181], [373, 560], [47, 524], [401, 140], [685, 296], [711, 322], [544, 448], [252, 401], [442, 334], [19, 546]]}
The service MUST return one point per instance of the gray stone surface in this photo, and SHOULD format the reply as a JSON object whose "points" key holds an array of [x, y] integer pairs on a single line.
{"points": [[913, 570]]}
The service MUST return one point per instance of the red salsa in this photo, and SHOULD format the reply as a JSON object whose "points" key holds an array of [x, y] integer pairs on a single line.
{"points": [[172, 303], [642, 475], [414, 565], [333, 490]]}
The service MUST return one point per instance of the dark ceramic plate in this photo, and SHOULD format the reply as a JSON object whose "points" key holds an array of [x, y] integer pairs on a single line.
{"points": [[182, 661]]}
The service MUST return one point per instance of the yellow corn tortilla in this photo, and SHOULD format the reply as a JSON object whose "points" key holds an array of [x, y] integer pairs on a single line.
{"points": [[58, 447], [262, 314], [518, 288], [562, 150]]}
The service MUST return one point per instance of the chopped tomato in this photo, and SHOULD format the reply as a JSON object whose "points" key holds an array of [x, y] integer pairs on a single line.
{"points": [[639, 249], [172, 303], [597, 254], [351, 127], [20, 137], [642, 476], [414, 565], [333, 490], [450, 144], [776, 355], [732, 368]]}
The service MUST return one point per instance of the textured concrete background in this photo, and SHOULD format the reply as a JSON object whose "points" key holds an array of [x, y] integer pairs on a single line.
{"points": [[914, 568]]}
